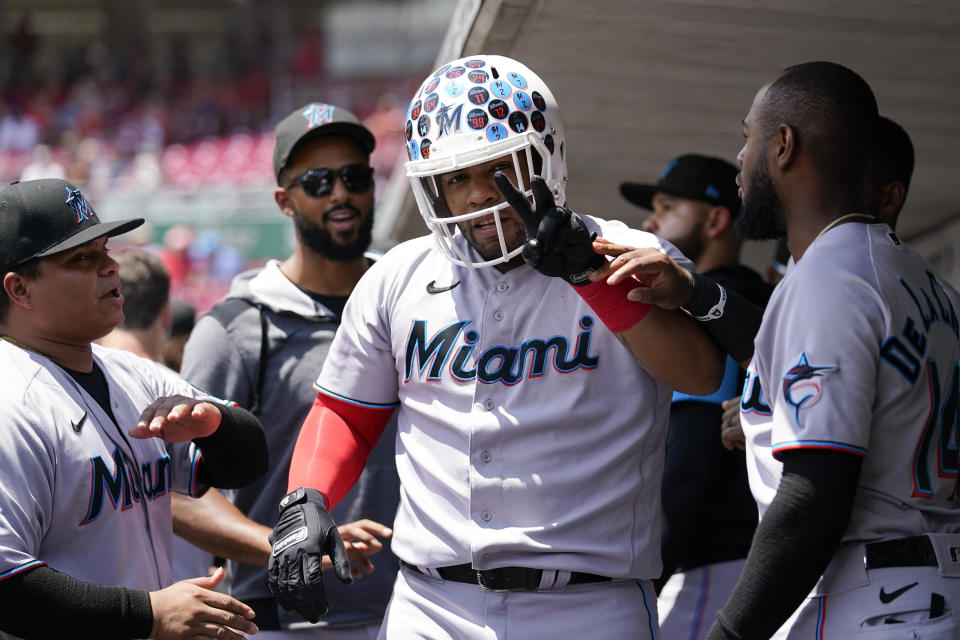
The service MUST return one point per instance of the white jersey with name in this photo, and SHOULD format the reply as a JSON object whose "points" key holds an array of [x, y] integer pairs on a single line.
{"points": [[858, 352], [76, 492], [527, 434]]}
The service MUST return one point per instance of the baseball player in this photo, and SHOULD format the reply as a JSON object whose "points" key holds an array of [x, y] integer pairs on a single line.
{"points": [[850, 403], [95, 440], [265, 342], [529, 442], [709, 514]]}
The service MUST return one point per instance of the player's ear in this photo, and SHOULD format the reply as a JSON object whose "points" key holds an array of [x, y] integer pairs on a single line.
{"points": [[718, 220], [282, 197], [786, 146], [18, 289]]}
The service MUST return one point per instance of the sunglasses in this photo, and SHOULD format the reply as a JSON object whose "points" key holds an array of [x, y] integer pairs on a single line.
{"points": [[319, 182]]}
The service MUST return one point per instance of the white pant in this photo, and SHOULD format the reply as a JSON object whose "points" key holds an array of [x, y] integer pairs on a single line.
{"points": [[689, 600], [429, 608], [859, 613]]}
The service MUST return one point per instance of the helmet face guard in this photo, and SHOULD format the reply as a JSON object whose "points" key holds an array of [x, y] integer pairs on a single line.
{"points": [[471, 111]]}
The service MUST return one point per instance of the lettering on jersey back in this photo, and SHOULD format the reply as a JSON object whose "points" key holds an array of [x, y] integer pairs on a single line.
{"points": [[905, 352], [456, 345], [125, 486]]}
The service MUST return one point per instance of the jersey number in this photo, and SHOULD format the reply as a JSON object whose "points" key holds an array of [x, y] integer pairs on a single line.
{"points": [[940, 430]]}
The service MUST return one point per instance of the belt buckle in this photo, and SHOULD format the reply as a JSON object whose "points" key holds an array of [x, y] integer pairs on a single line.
{"points": [[482, 581]]}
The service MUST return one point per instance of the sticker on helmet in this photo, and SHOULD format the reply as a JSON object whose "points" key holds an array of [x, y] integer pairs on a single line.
{"points": [[455, 72], [441, 70], [415, 110], [500, 89], [477, 119], [548, 142], [538, 101], [412, 151], [448, 119], [474, 64], [517, 80], [522, 101], [408, 129], [518, 121], [454, 89], [478, 77], [425, 148], [478, 95], [430, 88], [496, 131], [423, 125], [498, 109], [538, 121], [431, 102]]}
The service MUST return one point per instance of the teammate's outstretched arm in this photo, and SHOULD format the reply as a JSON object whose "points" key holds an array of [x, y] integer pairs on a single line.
{"points": [[668, 344], [731, 319]]}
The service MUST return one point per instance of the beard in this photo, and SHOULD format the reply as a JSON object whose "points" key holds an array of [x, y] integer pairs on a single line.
{"points": [[321, 241], [691, 245], [491, 250], [762, 215]]}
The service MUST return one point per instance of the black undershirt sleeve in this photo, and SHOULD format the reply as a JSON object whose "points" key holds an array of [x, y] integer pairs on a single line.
{"points": [[794, 542], [234, 455], [738, 324], [44, 603], [692, 441]]}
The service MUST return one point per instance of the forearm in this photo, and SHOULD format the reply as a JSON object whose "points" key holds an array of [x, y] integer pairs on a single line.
{"points": [[793, 544], [731, 319], [235, 455], [44, 603], [676, 351], [214, 524]]}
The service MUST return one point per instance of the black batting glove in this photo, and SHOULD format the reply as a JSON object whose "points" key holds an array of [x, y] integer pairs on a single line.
{"points": [[558, 242], [303, 535]]}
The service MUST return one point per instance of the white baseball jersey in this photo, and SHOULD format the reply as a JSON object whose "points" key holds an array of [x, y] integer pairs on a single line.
{"points": [[858, 352], [78, 493], [527, 434]]}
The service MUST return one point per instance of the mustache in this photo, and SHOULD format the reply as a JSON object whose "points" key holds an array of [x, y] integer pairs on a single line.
{"points": [[340, 207]]}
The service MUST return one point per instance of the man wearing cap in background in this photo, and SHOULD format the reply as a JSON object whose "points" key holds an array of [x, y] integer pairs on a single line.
{"points": [[94, 441], [709, 512], [264, 345]]}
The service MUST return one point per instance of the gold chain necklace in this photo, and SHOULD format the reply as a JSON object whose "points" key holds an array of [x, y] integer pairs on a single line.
{"points": [[25, 347], [849, 216]]}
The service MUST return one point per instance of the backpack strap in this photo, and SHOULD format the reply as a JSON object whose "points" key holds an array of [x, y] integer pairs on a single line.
{"points": [[224, 313]]}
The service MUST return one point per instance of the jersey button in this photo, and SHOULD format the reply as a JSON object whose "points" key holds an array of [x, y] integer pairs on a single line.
{"points": [[489, 404], [502, 286], [485, 456], [498, 315], [486, 516]]}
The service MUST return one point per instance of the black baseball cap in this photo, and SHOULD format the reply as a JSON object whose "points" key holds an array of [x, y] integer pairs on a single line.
{"points": [[314, 120], [690, 176], [39, 218]]}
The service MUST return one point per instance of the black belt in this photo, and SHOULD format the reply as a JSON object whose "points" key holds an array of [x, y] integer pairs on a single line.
{"points": [[503, 578], [912, 551]]}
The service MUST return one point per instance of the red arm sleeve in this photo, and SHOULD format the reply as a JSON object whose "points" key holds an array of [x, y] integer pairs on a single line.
{"points": [[333, 446]]}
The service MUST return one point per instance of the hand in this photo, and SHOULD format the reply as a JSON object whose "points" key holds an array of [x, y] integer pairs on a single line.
{"points": [[177, 419], [558, 242], [663, 282], [360, 541], [304, 534], [190, 609], [731, 434]]}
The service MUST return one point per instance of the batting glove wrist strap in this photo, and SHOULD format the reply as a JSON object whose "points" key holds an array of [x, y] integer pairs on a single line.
{"points": [[303, 535], [611, 304]]}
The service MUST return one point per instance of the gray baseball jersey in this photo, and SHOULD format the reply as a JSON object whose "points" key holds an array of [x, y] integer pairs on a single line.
{"points": [[76, 492], [527, 434], [858, 352]]}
